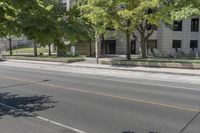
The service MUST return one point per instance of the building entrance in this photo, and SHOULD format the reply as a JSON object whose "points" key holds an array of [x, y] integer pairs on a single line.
{"points": [[110, 46]]}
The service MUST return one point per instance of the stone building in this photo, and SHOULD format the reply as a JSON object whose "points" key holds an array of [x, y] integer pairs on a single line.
{"points": [[183, 35]]}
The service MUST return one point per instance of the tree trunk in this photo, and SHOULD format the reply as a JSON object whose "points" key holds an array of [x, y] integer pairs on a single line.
{"points": [[97, 51], [102, 45], [128, 54], [49, 49], [10, 45], [35, 50], [90, 48], [61, 51], [143, 48]]}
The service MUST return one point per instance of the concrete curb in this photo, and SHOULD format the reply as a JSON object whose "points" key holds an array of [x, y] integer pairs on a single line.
{"points": [[146, 71], [36, 62], [2, 60], [175, 65], [103, 68], [46, 60]]}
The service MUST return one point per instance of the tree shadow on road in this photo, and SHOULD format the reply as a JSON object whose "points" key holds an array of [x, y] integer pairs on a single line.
{"points": [[16, 105]]}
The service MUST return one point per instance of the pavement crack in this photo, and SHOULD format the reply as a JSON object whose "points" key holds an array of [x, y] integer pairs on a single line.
{"points": [[189, 123]]}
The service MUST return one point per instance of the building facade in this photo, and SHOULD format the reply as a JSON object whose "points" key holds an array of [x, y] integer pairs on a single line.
{"points": [[67, 3], [183, 36]]}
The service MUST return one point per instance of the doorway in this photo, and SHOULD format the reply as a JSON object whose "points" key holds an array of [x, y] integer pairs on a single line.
{"points": [[110, 46], [133, 46]]}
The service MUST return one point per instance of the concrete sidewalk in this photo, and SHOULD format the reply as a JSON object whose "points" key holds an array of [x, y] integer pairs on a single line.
{"points": [[190, 72]]}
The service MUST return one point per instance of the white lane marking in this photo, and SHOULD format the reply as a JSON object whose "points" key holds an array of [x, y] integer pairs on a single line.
{"points": [[115, 80], [60, 124], [45, 119]]}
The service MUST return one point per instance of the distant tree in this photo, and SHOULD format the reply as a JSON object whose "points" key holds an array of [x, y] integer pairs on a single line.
{"points": [[37, 22], [82, 27], [9, 31], [9, 28], [44, 21], [73, 28]]}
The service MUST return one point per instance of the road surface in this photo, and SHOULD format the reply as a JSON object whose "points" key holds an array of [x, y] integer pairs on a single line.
{"points": [[43, 101]]}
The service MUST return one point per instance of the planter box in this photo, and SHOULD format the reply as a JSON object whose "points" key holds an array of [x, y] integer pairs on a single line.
{"points": [[154, 64], [66, 60]]}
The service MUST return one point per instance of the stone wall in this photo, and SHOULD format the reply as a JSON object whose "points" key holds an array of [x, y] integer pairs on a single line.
{"points": [[84, 49]]}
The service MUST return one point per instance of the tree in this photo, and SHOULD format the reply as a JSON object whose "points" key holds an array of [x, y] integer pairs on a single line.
{"points": [[76, 28], [96, 12], [50, 23], [9, 31], [137, 17], [141, 17], [116, 14], [8, 27], [44, 21], [37, 22], [122, 18]]}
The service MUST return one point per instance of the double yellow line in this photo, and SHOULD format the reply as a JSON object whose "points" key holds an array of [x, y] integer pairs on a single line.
{"points": [[103, 94]]}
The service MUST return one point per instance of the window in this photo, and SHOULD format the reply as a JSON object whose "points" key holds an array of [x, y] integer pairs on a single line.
{"points": [[152, 44], [133, 46], [63, 5], [195, 24], [176, 44], [110, 28], [194, 44], [177, 26]]}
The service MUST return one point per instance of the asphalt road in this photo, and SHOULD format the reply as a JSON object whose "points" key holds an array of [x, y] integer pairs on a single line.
{"points": [[39, 101]]}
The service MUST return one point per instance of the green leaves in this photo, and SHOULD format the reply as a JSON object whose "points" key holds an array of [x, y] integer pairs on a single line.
{"points": [[81, 29], [96, 11], [49, 8], [43, 21], [185, 9]]}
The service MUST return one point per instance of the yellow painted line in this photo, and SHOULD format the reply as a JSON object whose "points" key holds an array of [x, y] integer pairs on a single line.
{"points": [[105, 95]]}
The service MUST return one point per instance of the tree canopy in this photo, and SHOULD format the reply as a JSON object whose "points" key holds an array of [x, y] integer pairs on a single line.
{"points": [[47, 21], [185, 9], [44, 21]]}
